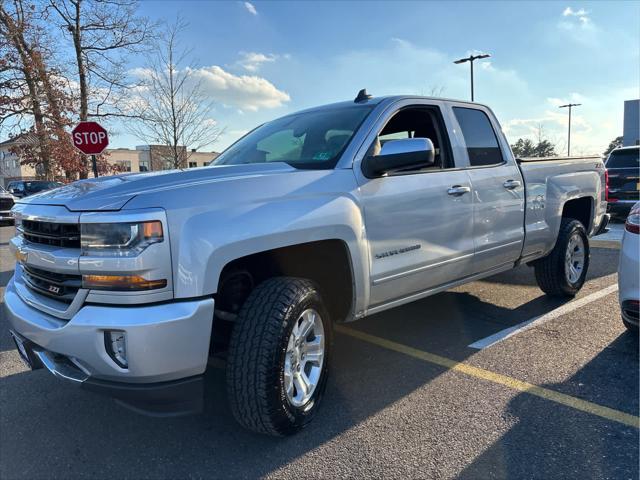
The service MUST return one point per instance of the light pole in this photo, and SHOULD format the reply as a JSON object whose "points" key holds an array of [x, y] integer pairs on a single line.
{"points": [[570, 106], [471, 59]]}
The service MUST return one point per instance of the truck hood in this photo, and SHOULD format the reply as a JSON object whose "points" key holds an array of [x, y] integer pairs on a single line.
{"points": [[112, 193]]}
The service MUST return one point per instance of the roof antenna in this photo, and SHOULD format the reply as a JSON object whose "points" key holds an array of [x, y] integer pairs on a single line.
{"points": [[363, 96]]}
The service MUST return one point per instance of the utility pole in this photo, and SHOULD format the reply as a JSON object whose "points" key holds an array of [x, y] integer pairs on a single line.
{"points": [[570, 106], [471, 59]]}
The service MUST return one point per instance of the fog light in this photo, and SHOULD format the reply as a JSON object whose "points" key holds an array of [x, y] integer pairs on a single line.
{"points": [[115, 343]]}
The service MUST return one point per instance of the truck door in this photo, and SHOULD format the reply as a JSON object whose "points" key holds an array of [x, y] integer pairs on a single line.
{"points": [[419, 223], [498, 191]]}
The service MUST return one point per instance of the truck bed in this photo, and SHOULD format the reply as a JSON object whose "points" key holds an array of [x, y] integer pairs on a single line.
{"points": [[549, 184]]}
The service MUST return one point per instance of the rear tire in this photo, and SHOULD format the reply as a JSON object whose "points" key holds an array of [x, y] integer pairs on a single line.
{"points": [[264, 354], [563, 271]]}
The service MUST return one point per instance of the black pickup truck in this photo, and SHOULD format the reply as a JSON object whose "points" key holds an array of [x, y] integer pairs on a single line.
{"points": [[623, 168]]}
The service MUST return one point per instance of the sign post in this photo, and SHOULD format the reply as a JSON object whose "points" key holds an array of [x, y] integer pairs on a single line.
{"points": [[90, 138]]}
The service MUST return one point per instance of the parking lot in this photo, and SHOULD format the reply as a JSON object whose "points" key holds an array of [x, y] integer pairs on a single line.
{"points": [[408, 397]]}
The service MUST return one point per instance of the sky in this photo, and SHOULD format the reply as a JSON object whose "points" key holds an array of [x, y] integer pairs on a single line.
{"points": [[261, 60]]}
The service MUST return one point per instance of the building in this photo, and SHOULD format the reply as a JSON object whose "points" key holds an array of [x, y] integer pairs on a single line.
{"points": [[631, 131], [10, 168], [143, 158], [147, 158]]}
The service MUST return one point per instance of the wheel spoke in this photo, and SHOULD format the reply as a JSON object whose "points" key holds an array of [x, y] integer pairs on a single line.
{"points": [[301, 383], [288, 383], [314, 350], [306, 324]]}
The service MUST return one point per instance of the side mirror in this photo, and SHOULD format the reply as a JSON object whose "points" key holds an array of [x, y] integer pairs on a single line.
{"points": [[399, 155], [16, 192]]}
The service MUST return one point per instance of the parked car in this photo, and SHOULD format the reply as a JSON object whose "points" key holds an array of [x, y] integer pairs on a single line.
{"points": [[6, 203], [127, 284], [629, 270], [623, 168], [24, 188]]}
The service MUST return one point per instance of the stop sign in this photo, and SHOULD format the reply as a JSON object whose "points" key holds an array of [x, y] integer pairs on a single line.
{"points": [[90, 138]]}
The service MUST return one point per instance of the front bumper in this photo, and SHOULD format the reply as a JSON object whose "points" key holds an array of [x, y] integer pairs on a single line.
{"points": [[6, 215], [165, 342]]}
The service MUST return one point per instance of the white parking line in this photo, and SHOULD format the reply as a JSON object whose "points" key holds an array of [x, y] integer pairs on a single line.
{"points": [[536, 321]]}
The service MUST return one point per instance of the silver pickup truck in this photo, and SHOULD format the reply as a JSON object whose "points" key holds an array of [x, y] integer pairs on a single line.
{"points": [[127, 285]]}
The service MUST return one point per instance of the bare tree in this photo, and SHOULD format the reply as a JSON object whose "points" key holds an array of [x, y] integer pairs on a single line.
{"points": [[103, 34], [172, 107], [32, 101]]}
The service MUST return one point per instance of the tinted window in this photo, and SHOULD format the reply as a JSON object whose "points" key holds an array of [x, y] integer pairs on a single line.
{"points": [[481, 140], [314, 139], [624, 159], [35, 187], [416, 122]]}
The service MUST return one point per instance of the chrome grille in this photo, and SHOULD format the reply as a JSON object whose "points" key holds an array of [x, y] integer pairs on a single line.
{"points": [[49, 233], [61, 286], [6, 203]]}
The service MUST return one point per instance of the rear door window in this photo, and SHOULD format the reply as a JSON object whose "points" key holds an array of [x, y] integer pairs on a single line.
{"points": [[482, 143]]}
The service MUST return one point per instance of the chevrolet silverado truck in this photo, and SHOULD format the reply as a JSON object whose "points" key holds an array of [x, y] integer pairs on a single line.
{"points": [[127, 285]]}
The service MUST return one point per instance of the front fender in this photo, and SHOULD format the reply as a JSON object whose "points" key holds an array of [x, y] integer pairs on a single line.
{"points": [[209, 240]]}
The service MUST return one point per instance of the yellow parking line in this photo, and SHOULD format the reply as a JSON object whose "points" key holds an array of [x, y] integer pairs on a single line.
{"points": [[561, 398]]}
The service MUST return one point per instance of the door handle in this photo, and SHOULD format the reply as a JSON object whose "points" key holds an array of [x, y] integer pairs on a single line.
{"points": [[511, 184], [457, 190]]}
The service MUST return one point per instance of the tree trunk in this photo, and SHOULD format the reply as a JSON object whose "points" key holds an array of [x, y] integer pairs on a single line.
{"points": [[82, 78], [18, 41]]}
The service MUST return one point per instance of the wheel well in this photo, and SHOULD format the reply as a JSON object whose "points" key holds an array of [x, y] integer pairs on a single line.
{"points": [[579, 209], [326, 262]]}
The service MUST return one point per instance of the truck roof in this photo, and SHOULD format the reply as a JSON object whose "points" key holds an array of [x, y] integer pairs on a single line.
{"points": [[629, 147], [383, 99]]}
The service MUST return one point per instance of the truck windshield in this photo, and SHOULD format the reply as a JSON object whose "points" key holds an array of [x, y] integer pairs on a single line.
{"points": [[311, 140], [624, 158], [34, 187]]}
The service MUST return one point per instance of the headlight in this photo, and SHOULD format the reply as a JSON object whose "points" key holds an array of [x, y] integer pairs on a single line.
{"points": [[120, 239]]}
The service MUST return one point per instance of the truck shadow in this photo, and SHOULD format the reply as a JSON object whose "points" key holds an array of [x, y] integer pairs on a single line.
{"points": [[550, 440], [602, 262], [95, 435]]}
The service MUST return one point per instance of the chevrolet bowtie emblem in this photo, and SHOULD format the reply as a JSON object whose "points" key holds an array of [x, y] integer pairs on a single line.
{"points": [[21, 255]]}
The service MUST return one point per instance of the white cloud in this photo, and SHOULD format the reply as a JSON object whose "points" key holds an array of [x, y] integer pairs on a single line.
{"points": [[243, 92], [247, 92], [250, 8], [593, 124], [575, 18], [570, 12], [252, 61]]}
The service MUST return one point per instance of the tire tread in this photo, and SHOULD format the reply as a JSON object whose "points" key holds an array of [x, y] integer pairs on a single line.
{"points": [[549, 271], [255, 338]]}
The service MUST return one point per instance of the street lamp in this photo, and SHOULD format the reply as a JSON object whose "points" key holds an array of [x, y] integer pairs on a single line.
{"points": [[570, 106], [471, 59]]}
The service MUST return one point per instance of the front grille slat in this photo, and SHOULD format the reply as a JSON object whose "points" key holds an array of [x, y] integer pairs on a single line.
{"points": [[61, 286], [6, 203], [49, 233], [73, 283]]}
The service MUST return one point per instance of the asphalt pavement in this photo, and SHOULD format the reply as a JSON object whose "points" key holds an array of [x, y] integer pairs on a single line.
{"points": [[407, 398]]}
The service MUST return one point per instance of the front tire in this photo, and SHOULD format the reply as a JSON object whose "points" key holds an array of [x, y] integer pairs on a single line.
{"points": [[279, 357], [563, 271], [632, 327]]}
